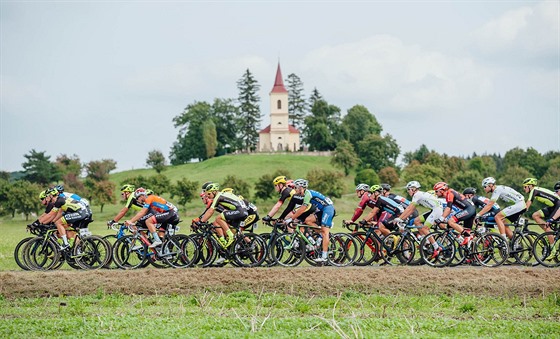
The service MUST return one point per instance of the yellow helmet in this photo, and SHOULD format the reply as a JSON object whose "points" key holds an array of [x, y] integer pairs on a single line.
{"points": [[227, 190], [279, 180]]}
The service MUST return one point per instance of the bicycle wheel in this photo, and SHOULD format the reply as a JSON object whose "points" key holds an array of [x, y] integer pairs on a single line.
{"points": [[129, 253], [292, 250], [343, 249], [397, 250], [41, 254], [417, 259], [111, 238], [522, 248], [207, 251], [269, 240], [490, 250], [249, 250], [19, 254], [368, 251], [92, 252], [547, 254], [177, 249], [443, 255]]}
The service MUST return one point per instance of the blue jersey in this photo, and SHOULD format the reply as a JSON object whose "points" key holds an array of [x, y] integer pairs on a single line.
{"points": [[388, 205], [319, 200]]}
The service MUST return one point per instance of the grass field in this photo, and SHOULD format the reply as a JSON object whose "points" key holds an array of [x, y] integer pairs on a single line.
{"points": [[308, 302]]}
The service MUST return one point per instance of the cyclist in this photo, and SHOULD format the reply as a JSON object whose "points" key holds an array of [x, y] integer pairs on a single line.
{"points": [[324, 212], [424, 221], [127, 194], [63, 213], [383, 204], [253, 215], [362, 191], [155, 210], [466, 211], [507, 194], [73, 196], [231, 209], [549, 198], [480, 201], [398, 199], [286, 192]]}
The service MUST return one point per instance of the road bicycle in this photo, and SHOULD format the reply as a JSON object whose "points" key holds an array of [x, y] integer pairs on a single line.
{"points": [[394, 249], [485, 249], [247, 250], [290, 249], [88, 251], [546, 248], [278, 228], [133, 251]]}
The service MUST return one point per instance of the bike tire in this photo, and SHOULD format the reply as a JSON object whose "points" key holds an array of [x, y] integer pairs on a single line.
{"points": [[343, 250], [250, 253], [401, 249], [522, 248], [125, 257], [446, 254], [92, 252], [293, 250], [41, 254], [542, 248], [19, 254], [490, 250]]}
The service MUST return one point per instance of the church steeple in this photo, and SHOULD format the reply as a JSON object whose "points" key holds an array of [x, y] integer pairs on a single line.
{"points": [[278, 82]]}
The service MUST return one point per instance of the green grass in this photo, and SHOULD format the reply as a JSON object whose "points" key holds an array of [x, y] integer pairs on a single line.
{"points": [[244, 314]]}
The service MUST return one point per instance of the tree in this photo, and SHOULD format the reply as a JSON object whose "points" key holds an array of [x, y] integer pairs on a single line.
{"points": [[21, 196], [514, 176], [389, 175], [156, 160], [71, 170], [249, 110], [297, 106], [39, 169], [240, 186], [185, 189], [314, 97], [322, 128], [328, 182], [344, 156], [419, 155], [378, 152], [264, 188], [101, 192], [464, 179], [366, 176], [426, 175], [530, 159], [226, 117], [189, 144], [210, 138], [98, 170], [485, 165], [358, 123]]}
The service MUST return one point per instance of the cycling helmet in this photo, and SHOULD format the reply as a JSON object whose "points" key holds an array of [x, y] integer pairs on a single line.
{"points": [[290, 183], [128, 188], [413, 184], [469, 190], [375, 188], [386, 187], [59, 188], [362, 187], [43, 195], [440, 186], [206, 185], [557, 186], [279, 180], [530, 181], [139, 192], [488, 181], [47, 192], [212, 187], [228, 190], [149, 191], [301, 183]]}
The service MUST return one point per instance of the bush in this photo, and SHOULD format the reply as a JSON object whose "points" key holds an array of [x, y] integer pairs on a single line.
{"points": [[240, 186], [366, 176], [327, 182], [264, 189]]}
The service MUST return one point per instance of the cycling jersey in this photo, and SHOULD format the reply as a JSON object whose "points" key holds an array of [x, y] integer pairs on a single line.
{"points": [[543, 195], [234, 208], [403, 202], [431, 202], [300, 200], [507, 194], [385, 204], [454, 198], [480, 201], [156, 204], [324, 208], [365, 201], [133, 203], [319, 200], [74, 196]]}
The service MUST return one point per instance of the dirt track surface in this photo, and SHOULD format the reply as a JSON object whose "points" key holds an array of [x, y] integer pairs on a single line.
{"points": [[503, 281]]}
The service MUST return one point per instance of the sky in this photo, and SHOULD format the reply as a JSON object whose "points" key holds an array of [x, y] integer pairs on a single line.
{"points": [[104, 79]]}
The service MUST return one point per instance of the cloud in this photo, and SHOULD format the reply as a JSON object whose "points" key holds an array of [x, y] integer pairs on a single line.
{"points": [[396, 76], [527, 31]]}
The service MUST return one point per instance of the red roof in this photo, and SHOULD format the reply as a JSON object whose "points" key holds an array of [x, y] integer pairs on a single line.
{"points": [[291, 128], [278, 82]]}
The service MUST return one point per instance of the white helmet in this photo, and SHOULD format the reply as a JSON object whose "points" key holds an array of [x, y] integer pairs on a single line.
{"points": [[413, 184], [488, 181], [362, 187], [301, 183]]}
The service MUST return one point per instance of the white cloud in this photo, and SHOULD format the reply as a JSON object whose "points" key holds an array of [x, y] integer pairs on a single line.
{"points": [[398, 77], [531, 31]]}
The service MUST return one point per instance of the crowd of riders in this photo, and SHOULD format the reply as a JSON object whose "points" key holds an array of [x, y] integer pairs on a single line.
{"points": [[445, 206]]}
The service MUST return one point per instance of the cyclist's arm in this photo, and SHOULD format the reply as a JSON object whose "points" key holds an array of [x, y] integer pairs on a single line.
{"points": [[275, 208], [486, 208], [139, 215], [121, 214], [207, 214], [48, 217], [408, 211], [288, 209], [372, 214]]}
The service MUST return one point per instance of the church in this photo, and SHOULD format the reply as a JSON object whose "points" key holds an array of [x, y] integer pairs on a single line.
{"points": [[279, 136]]}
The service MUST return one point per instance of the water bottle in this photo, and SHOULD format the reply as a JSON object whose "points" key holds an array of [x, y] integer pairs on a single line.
{"points": [[311, 240], [319, 242]]}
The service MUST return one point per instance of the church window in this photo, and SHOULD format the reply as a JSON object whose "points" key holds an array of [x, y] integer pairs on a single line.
{"points": [[279, 104]]}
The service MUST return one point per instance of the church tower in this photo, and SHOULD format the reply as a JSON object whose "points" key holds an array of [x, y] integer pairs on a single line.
{"points": [[279, 135]]}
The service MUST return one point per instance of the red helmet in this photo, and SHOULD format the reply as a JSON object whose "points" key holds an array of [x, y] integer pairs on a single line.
{"points": [[440, 186]]}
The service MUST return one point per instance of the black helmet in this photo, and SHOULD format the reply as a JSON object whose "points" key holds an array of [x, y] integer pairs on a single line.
{"points": [[469, 190], [557, 186], [386, 187]]}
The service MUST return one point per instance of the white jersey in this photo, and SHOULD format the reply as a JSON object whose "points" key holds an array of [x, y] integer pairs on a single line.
{"points": [[427, 200], [507, 194]]}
